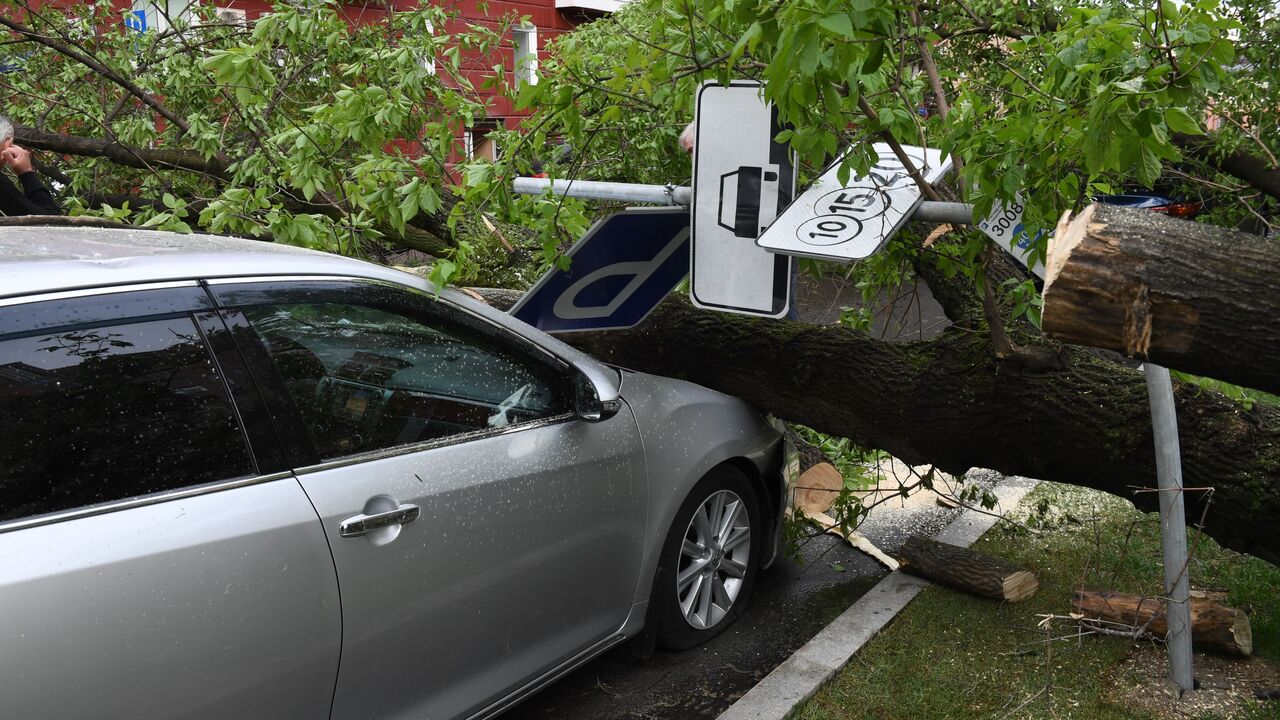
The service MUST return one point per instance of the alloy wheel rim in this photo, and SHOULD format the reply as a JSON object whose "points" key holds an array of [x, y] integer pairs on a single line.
{"points": [[714, 559]]}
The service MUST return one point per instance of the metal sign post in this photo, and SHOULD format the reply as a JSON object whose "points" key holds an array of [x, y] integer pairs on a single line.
{"points": [[845, 222], [741, 179], [1173, 527]]}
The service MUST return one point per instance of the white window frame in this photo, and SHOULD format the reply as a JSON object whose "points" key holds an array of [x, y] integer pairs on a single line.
{"points": [[159, 21], [525, 66], [478, 138], [429, 62], [231, 16]]}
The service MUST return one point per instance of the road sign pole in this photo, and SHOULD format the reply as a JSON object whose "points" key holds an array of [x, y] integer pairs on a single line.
{"points": [[1173, 528], [929, 211], [593, 190]]}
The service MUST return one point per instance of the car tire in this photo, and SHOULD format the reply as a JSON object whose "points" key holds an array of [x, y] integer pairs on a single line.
{"points": [[708, 565]]}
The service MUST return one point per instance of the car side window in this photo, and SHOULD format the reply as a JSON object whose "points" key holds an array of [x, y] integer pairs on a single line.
{"points": [[97, 414], [367, 378]]}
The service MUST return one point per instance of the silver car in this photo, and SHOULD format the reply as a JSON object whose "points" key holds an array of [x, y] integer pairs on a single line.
{"points": [[243, 480]]}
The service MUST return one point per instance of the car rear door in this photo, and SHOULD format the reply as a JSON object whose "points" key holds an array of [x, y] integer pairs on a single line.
{"points": [[156, 558], [481, 532]]}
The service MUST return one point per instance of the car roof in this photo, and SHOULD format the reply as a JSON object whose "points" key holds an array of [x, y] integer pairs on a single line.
{"points": [[42, 259]]}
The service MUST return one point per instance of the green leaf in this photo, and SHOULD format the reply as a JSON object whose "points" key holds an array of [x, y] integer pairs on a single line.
{"points": [[1180, 121], [875, 58], [1149, 166], [838, 24]]}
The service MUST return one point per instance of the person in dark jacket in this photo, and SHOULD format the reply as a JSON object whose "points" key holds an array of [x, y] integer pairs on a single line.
{"points": [[33, 198]]}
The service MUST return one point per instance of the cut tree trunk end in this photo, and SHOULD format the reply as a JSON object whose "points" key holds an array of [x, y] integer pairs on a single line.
{"points": [[816, 489], [967, 570], [1186, 295], [1214, 627]]}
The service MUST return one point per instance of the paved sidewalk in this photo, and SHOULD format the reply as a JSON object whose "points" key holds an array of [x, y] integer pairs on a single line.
{"points": [[800, 676]]}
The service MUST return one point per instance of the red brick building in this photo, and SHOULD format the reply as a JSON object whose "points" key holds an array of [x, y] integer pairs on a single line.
{"points": [[545, 19]]}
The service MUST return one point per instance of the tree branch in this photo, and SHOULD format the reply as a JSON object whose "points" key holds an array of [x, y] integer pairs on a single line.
{"points": [[925, 188], [1250, 168], [144, 159], [95, 65]]}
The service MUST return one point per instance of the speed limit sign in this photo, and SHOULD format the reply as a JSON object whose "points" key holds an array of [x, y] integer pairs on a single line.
{"points": [[850, 221]]}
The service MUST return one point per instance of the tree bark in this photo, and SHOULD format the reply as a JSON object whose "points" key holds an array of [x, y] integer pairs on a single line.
{"points": [[1216, 628], [966, 570], [142, 158], [1065, 414], [1190, 296], [1240, 164]]}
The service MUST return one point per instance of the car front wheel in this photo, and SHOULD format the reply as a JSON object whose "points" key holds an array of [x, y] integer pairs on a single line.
{"points": [[709, 560]]}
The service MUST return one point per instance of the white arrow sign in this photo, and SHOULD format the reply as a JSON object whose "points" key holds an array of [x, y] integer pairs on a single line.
{"points": [[830, 221]]}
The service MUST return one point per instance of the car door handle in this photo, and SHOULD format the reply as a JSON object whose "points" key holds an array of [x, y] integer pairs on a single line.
{"points": [[358, 525]]}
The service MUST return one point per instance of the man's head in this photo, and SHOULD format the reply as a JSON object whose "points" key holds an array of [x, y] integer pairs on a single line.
{"points": [[6, 133]]}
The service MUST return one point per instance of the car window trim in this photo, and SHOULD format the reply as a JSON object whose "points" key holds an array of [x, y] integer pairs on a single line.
{"points": [[251, 411], [139, 501], [435, 443], [291, 440], [90, 292]]}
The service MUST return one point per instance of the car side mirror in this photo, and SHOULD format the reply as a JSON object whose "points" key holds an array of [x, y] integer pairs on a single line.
{"points": [[587, 402]]}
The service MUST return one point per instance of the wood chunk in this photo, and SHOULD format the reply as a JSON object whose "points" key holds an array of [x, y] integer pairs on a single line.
{"points": [[1214, 627], [1186, 295], [967, 570], [817, 487]]}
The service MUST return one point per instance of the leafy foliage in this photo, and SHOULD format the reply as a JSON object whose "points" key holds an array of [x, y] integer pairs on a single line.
{"points": [[306, 127], [1058, 101]]}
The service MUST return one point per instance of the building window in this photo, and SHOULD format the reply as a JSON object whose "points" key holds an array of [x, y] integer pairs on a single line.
{"points": [[158, 15], [428, 61], [232, 16], [526, 54], [479, 143]]}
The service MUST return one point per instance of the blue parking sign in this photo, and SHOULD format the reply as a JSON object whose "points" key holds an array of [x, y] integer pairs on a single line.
{"points": [[618, 273], [136, 20]]}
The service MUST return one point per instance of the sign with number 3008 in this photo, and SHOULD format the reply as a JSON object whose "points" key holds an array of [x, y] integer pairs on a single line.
{"points": [[1004, 225]]}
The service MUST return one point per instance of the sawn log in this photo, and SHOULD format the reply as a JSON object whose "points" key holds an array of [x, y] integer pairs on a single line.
{"points": [[1214, 627], [967, 570], [1189, 296]]}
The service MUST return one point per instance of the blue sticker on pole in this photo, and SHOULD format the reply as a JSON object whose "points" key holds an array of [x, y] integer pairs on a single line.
{"points": [[618, 273]]}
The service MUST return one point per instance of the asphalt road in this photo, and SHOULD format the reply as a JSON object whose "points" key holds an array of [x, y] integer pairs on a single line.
{"points": [[792, 602]]}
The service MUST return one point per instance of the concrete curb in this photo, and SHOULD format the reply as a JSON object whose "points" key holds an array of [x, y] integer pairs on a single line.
{"points": [[800, 675]]}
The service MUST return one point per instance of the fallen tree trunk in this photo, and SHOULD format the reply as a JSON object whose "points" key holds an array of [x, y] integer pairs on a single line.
{"points": [[1190, 296], [1068, 416], [1215, 628], [966, 570]]}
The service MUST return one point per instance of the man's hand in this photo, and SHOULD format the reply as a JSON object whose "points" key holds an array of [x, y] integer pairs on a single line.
{"points": [[17, 158]]}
